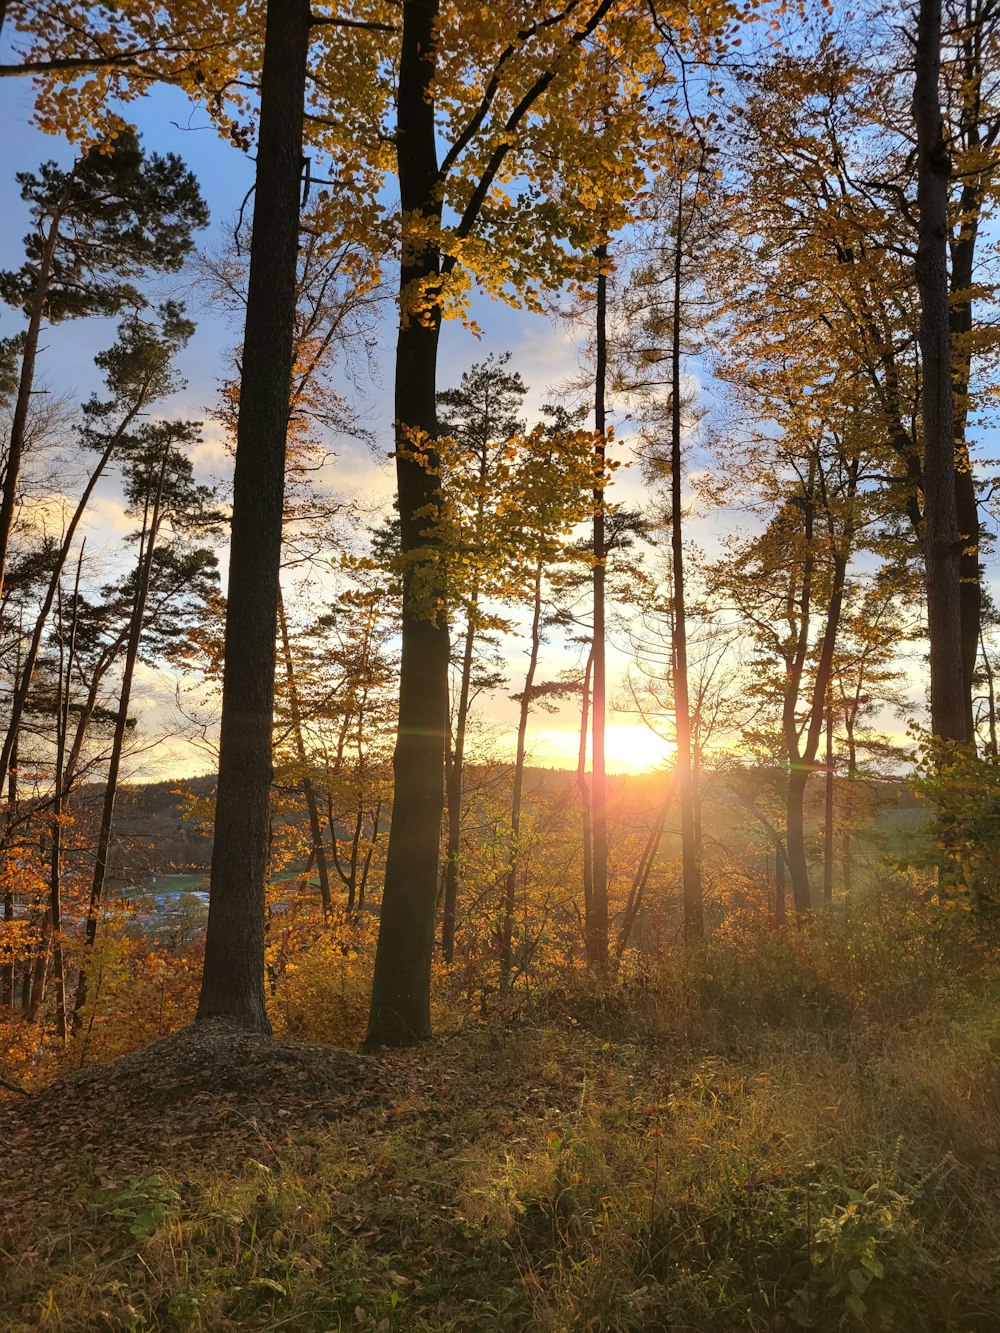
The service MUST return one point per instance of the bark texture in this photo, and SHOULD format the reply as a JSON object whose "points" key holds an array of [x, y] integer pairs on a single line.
{"points": [[942, 543], [233, 978], [400, 1007]]}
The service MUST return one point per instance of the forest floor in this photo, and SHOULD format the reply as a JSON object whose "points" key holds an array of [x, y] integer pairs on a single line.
{"points": [[731, 1148]]}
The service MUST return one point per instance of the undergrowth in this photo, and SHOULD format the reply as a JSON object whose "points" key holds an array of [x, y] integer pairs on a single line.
{"points": [[797, 1131]]}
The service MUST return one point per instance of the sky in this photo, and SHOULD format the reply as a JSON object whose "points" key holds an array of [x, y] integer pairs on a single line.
{"points": [[545, 353]]}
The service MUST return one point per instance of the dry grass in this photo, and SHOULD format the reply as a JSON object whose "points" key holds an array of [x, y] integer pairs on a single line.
{"points": [[761, 1138]]}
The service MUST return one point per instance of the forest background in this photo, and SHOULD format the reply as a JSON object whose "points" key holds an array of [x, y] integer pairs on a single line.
{"points": [[707, 542]]}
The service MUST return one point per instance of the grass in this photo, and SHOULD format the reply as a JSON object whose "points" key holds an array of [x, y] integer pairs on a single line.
{"points": [[777, 1134]]}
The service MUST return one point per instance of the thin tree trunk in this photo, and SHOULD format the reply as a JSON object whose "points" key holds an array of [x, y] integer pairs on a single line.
{"points": [[510, 882], [454, 796], [828, 814], [144, 574], [795, 841], [694, 911], [597, 920], [400, 1006], [318, 852], [233, 976], [640, 879], [20, 697], [850, 804], [9, 968], [802, 758], [86, 715], [584, 789], [795, 857], [55, 867], [38, 973], [19, 421], [991, 697], [779, 887], [367, 863], [942, 544]]}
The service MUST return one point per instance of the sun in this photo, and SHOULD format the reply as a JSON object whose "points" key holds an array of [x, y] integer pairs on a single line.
{"points": [[632, 748]]}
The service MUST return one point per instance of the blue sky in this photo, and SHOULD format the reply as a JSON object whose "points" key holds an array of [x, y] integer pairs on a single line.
{"points": [[544, 353]]}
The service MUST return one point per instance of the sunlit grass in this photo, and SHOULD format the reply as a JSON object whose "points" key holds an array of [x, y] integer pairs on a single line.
{"points": [[780, 1133]]}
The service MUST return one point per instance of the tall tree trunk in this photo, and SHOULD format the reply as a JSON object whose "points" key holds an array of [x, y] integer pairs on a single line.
{"points": [[597, 920], [694, 912], [942, 544], [22, 404], [144, 573], [510, 881], [55, 866], [317, 851], [233, 977], [963, 258], [8, 966], [400, 1006]]}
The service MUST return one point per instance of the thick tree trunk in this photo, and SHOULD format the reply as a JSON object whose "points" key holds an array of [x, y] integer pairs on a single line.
{"points": [[233, 977], [942, 544], [963, 259], [400, 1007], [597, 919], [694, 911]]}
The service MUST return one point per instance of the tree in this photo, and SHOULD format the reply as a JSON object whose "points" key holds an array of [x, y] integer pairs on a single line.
{"points": [[942, 542], [138, 371], [480, 420], [233, 978], [159, 485], [117, 215], [507, 242], [784, 579], [662, 307], [550, 498]]}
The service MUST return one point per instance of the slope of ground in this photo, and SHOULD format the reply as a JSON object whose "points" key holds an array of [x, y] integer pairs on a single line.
{"points": [[746, 1143]]}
